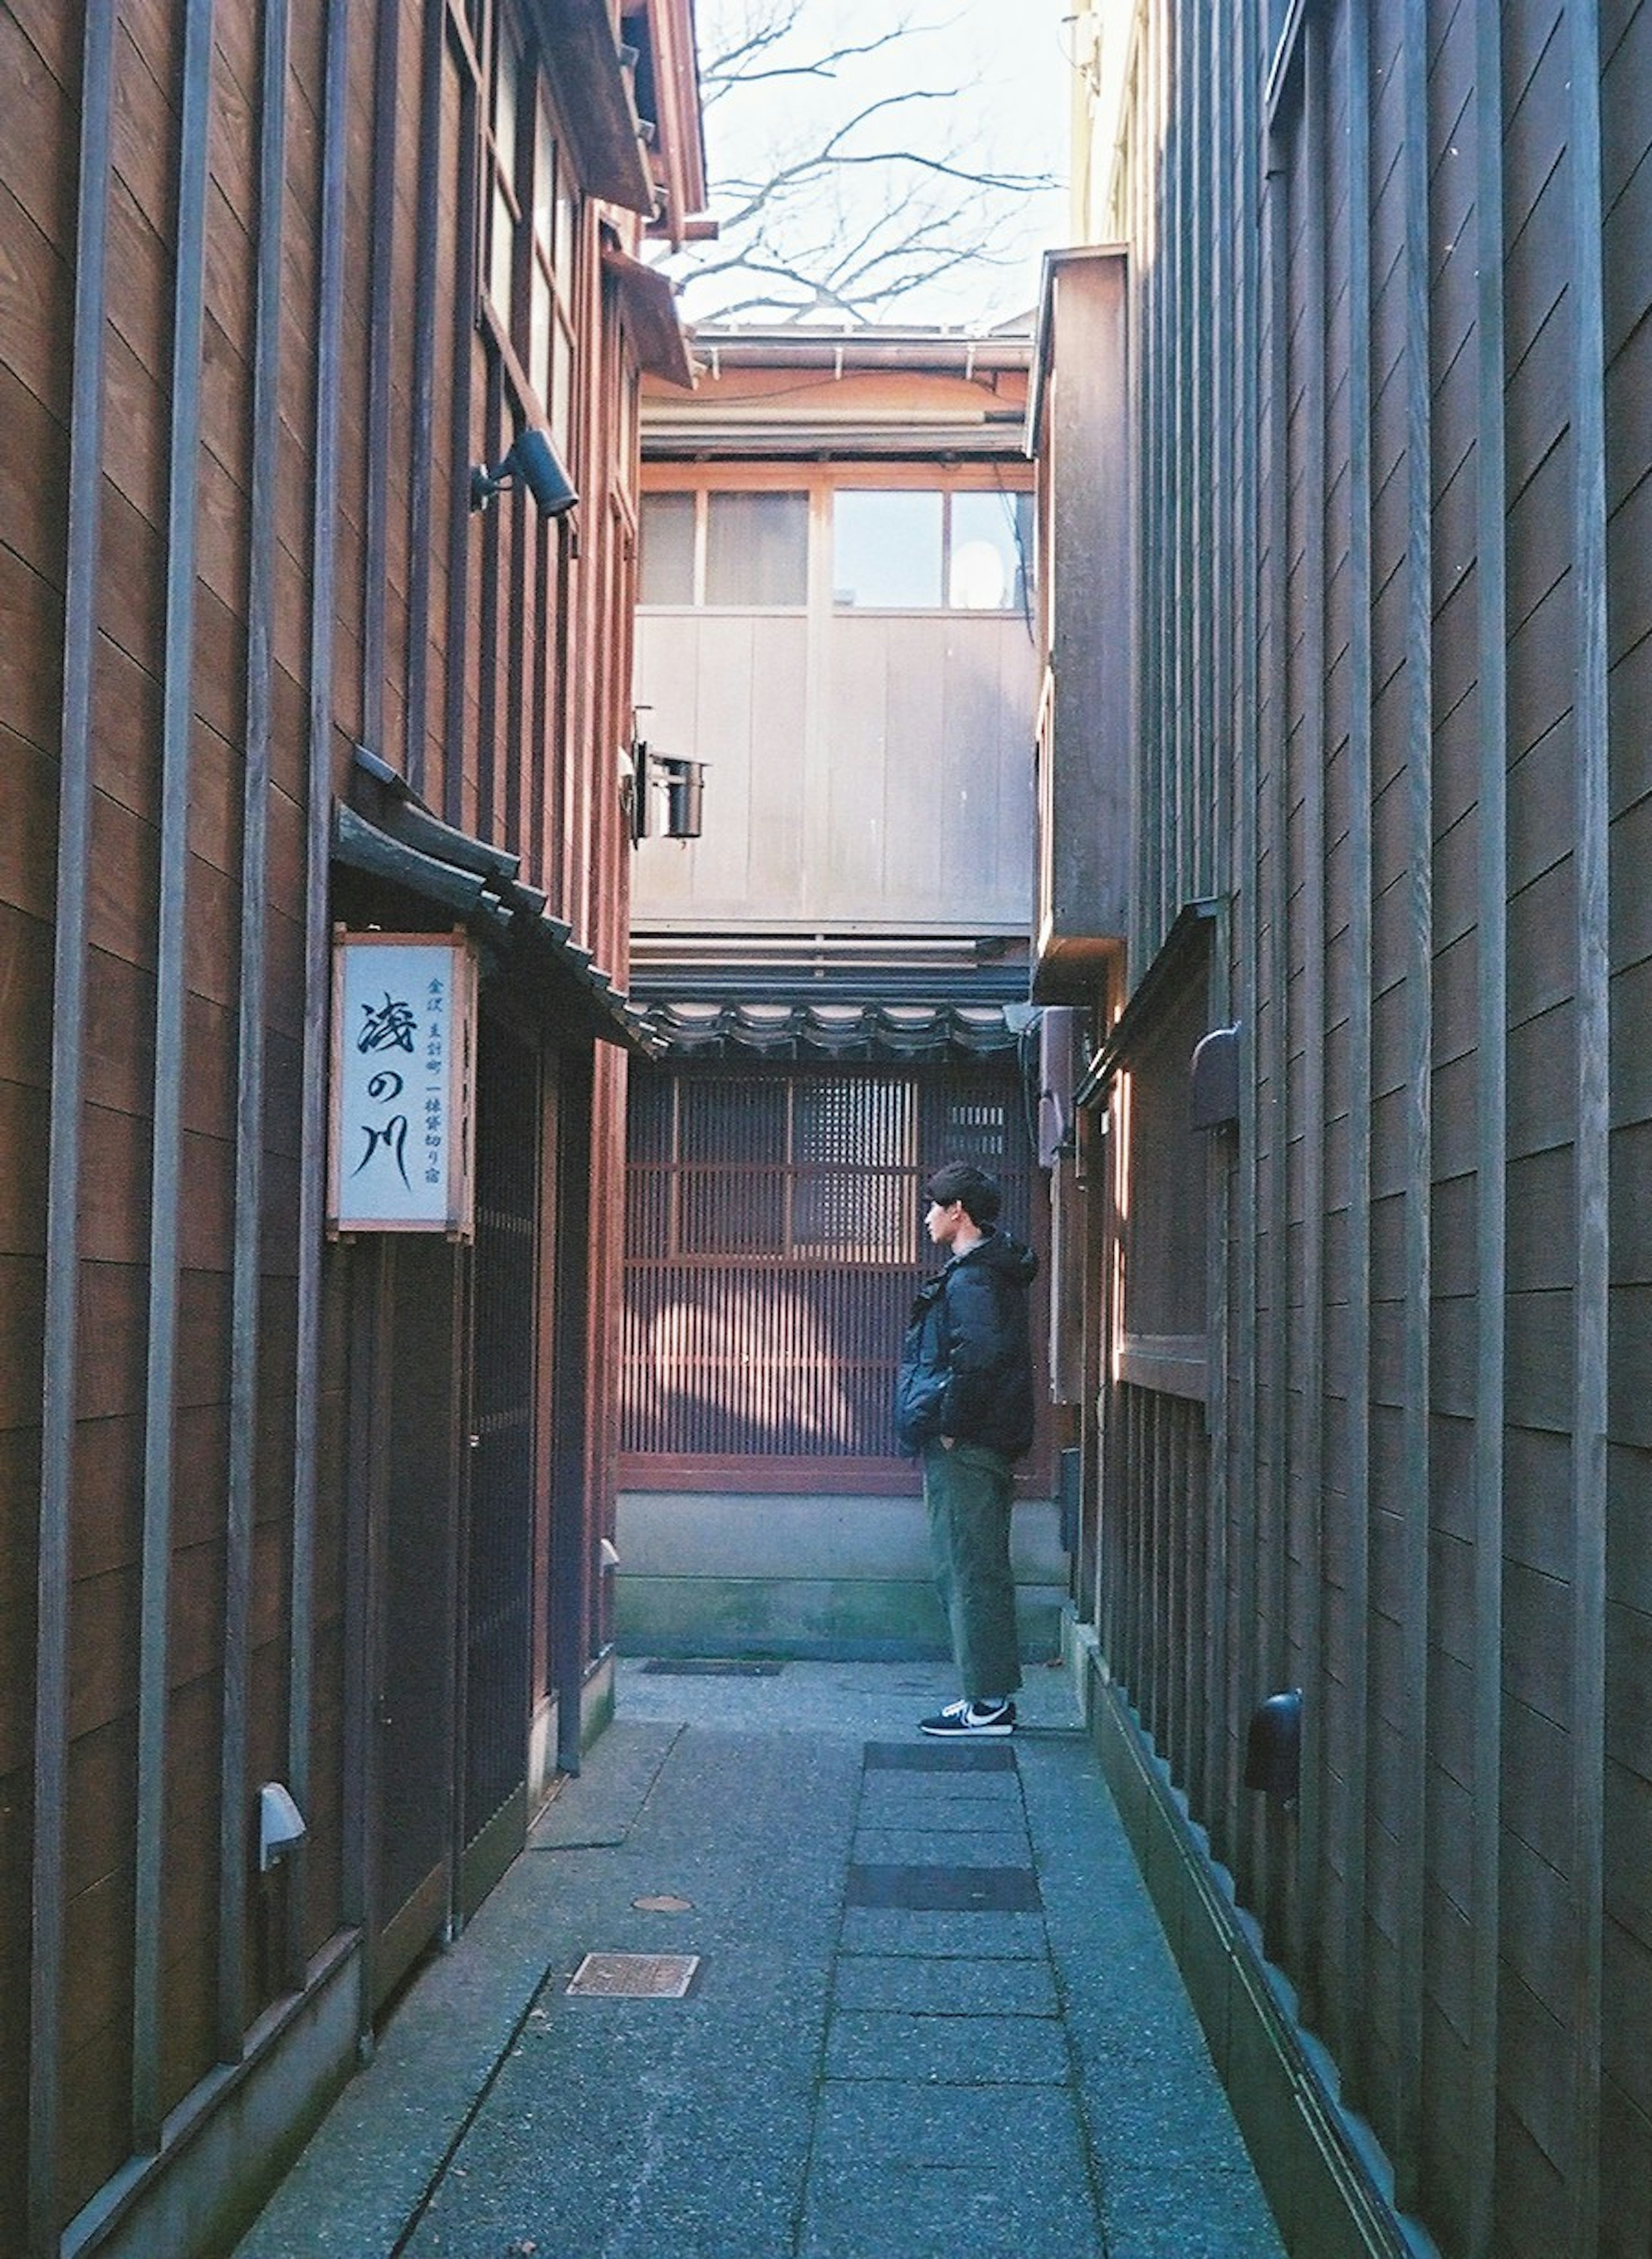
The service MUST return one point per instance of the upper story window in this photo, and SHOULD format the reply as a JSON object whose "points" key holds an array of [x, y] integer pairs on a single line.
{"points": [[745, 550], [550, 277], [906, 551], [892, 548], [505, 214], [532, 218]]}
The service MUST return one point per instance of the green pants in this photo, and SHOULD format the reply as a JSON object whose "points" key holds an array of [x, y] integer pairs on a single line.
{"points": [[968, 1491]]}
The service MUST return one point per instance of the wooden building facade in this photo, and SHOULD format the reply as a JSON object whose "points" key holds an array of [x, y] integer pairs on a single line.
{"points": [[836, 592], [1376, 1431], [282, 1511]]}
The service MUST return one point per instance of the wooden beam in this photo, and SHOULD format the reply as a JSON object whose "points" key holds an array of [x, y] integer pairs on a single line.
{"points": [[379, 345], [1273, 1124], [423, 440], [312, 1187], [63, 1168], [1491, 1157], [246, 1259], [1414, 1506], [1244, 723], [1591, 722], [1346, 2010], [1306, 1482], [171, 989], [456, 726]]}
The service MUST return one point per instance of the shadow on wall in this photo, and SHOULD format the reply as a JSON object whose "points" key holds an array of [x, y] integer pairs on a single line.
{"points": [[757, 1372]]}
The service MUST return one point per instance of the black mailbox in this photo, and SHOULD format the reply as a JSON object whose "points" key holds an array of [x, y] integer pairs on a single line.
{"points": [[1273, 1747], [1215, 1079]]}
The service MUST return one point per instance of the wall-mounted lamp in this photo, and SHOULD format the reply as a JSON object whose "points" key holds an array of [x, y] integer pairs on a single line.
{"points": [[534, 463], [1273, 1747], [684, 784], [280, 1825]]}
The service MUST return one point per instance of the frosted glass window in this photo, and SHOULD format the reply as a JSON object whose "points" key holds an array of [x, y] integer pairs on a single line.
{"points": [[852, 1150], [668, 575], [986, 563], [886, 550], [502, 240], [757, 549]]}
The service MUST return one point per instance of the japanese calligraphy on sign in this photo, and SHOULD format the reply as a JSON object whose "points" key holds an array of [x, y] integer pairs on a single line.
{"points": [[405, 1013]]}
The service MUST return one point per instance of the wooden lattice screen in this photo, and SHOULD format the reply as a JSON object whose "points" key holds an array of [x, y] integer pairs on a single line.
{"points": [[774, 1240]]}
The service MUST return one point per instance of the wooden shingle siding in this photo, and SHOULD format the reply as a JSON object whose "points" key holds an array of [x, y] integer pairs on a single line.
{"points": [[1427, 489]]}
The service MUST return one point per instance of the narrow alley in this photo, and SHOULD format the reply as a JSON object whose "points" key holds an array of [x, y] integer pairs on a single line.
{"points": [[929, 2010]]}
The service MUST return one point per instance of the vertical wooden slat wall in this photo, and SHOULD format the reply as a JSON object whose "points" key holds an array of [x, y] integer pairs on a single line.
{"points": [[50, 1240], [1392, 651], [773, 1244], [1626, 2096], [242, 381], [1477, 2034]]}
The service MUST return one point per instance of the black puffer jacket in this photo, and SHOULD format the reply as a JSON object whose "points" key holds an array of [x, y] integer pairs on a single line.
{"points": [[967, 1362]]}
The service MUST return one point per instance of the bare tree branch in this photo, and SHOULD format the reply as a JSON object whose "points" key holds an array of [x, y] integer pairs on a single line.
{"points": [[823, 212]]}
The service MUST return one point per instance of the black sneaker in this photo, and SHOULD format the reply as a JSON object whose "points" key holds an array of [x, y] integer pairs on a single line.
{"points": [[971, 1718]]}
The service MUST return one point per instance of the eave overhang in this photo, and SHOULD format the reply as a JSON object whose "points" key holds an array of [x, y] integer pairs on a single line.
{"points": [[673, 435], [1191, 932], [860, 350], [404, 846], [1043, 338], [703, 1029], [673, 75], [1069, 970], [648, 304], [612, 160], [802, 996], [841, 395]]}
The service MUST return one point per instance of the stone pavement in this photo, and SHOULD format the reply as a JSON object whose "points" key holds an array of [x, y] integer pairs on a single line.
{"points": [[931, 2013]]}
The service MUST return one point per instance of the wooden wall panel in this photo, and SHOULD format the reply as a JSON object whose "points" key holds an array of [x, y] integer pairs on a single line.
{"points": [[200, 1650], [1459, 1574], [906, 711], [1626, 2101]]}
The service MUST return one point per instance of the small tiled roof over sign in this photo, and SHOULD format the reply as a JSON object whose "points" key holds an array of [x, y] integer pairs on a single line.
{"points": [[402, 844]]}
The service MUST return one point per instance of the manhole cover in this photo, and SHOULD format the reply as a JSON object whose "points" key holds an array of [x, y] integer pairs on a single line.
{"points": [[634, 1976]]}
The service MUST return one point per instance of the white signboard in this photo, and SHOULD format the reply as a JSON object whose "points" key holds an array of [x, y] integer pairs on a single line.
{"points": [[404, 1049]]}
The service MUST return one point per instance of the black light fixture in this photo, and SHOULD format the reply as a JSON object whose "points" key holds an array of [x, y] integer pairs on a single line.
{"points": [[685, 795], [685, 784], [1273, 1747], [534, 463]]}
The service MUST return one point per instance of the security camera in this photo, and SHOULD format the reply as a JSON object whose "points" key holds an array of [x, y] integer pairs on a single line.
{"points": [[280, 1825]]}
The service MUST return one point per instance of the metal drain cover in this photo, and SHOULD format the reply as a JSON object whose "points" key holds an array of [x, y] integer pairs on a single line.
{"points": [[634, 1976]]}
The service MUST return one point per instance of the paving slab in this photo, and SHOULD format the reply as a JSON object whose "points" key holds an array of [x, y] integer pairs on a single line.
{"points": [[921, 2172], [820, 2089], [967, 2049], [933, 1847], [954, 1987], [992, 1938]]}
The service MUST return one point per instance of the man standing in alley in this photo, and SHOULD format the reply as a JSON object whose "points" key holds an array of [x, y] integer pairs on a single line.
{"points": [[963, 1405]]}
